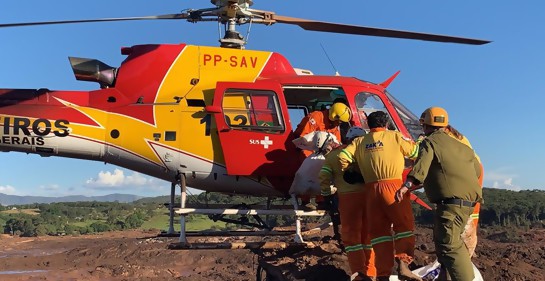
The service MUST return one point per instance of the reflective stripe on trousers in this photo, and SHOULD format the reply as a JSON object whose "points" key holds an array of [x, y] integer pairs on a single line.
{"points": [[354, 233], [391, 225]]}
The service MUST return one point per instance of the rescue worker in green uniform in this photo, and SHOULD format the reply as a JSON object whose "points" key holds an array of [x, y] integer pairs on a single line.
{"points": [[449, 171]]}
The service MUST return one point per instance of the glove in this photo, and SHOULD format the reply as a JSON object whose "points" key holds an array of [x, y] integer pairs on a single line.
{"points": [[353, 177]]}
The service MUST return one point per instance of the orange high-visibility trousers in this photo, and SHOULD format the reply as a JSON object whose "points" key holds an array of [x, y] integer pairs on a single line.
{"points": [[354, 233], [385, 215], [477, 209]]}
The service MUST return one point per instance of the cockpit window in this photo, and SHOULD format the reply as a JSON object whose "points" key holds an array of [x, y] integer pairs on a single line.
{"points": [[410, 120], [367, 103]]}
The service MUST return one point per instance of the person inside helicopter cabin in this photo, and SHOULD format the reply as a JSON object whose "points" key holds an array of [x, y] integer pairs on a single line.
{"points": [[328, 120]]}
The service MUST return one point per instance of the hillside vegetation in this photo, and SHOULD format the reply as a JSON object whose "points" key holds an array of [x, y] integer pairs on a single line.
{"points": [[501, 208]]}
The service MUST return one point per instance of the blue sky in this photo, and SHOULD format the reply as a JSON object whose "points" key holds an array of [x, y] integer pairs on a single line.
{"points": [[493, 93]]}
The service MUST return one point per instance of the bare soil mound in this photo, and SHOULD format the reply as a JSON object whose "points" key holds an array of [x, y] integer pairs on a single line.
{"points": [[138, 255]]}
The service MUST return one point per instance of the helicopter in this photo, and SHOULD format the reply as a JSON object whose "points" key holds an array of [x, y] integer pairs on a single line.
{"points": [[220, 119]]}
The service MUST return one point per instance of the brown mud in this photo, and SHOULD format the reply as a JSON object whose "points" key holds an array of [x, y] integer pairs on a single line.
{"points": [[142, 255]]}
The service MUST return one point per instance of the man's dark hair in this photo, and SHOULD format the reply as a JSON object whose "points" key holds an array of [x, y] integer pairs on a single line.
{"points": [[378, 119]]}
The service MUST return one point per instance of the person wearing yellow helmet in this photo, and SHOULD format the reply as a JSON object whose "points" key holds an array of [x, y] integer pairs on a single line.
{"points": [[327, 120], [449, 172]]}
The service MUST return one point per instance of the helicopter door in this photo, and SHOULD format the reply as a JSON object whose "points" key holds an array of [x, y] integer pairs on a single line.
{"points": [[251, 121]]}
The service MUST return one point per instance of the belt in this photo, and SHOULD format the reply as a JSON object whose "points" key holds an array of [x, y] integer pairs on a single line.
{"points": [[456, 201]]}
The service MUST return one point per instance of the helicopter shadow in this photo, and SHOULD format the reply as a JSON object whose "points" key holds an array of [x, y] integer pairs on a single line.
{"points": [[281, 165]]}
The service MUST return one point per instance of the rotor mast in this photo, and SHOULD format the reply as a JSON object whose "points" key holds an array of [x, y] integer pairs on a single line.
{"points": [[231, 13]]}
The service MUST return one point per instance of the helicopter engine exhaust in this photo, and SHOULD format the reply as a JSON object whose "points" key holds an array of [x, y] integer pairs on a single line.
{"points": [[93, 70]]}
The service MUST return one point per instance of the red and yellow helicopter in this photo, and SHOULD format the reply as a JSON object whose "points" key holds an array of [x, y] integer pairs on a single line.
{"points": [[220, 119]]}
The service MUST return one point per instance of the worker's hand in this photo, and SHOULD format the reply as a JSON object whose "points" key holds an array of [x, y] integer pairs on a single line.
{"points": [[400, 193]]}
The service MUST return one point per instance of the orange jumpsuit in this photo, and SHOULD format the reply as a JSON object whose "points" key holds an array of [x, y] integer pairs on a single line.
{"points": [[354, 231], [317, 121], [380, 156]]}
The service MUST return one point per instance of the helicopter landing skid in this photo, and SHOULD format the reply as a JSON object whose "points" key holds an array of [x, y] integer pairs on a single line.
{"points": [[246, 212], [242, 210]]}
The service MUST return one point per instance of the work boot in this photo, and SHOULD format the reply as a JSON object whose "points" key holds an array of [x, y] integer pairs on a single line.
{"points": [[383, 278], [404, 273]]}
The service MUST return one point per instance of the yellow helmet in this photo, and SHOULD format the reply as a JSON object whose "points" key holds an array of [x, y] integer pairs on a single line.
{"points": [[435, 116], [340, 111]]}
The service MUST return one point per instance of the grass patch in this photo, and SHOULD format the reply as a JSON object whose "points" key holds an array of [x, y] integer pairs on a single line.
{"points": [[85, 223], [196, 222], [203, 223], [160, 222], [33, 212]]}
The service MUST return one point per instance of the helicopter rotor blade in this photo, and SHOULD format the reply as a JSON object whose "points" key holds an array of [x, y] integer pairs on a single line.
{"points": [[372, 31], [159, 17]]}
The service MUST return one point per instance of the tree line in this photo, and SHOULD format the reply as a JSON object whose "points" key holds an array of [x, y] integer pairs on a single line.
{"points": [[74, 218], [500, 208]]}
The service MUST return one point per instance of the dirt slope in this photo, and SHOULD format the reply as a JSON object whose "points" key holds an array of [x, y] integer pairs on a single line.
{"points": [[136, 255]]}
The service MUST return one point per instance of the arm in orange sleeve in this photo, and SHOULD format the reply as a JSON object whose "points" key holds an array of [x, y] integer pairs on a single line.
{"points": [[312, 122], [304, 127]]}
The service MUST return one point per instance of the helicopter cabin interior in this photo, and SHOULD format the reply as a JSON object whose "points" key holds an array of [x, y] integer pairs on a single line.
{"points": [[302, 100], [260, 110]]}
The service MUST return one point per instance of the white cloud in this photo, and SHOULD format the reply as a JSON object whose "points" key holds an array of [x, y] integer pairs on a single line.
{"points": [[7, 189], [506, 184], [51, 187], [117, 180], [501, 178]]}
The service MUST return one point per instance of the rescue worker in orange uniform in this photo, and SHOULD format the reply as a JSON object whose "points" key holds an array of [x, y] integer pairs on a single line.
{"points": [[327, 120], [470, 233], [380, 157], [354, 232]]}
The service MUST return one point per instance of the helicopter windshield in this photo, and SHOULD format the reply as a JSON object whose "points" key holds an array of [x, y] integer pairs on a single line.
{"points": [[409, 119]]}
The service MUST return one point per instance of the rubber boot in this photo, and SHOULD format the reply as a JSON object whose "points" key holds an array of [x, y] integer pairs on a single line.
{"points": [[404, 273]]}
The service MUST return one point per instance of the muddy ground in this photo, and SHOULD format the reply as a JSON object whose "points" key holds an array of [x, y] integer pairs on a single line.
{"points": [[141, 255]]}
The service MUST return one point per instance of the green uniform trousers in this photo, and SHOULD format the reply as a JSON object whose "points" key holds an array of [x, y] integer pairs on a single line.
{"points": [[452, 253]]}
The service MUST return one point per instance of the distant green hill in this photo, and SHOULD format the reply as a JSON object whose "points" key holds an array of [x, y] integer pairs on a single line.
{"points": [[23, 200], [155, 200]]}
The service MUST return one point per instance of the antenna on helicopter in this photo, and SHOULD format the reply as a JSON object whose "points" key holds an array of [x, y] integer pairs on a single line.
{"points": [[329, 59]]}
